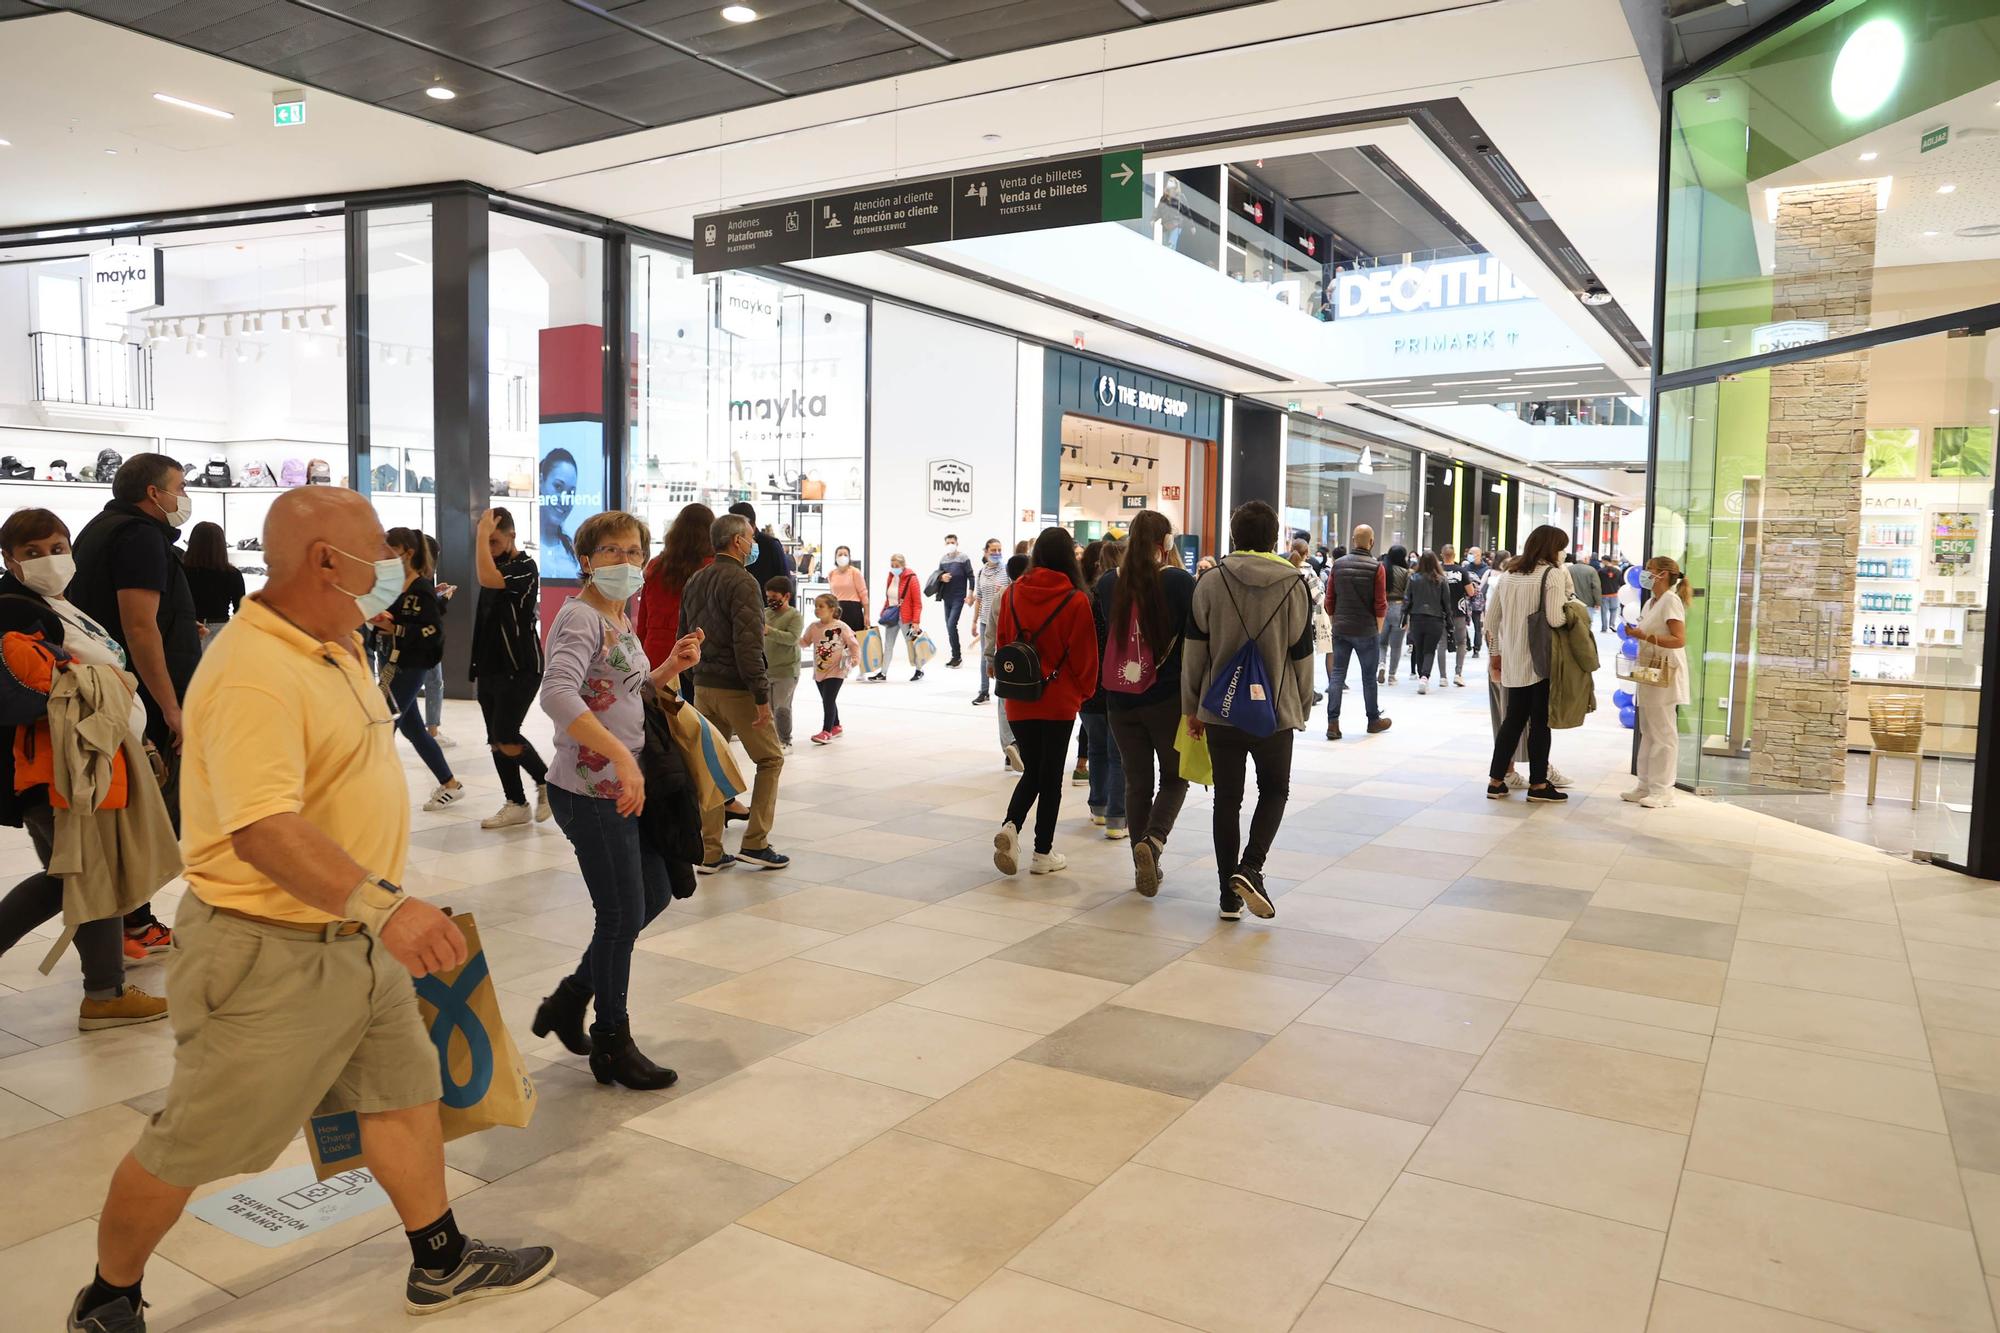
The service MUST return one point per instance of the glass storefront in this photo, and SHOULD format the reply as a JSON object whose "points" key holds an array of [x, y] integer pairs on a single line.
{"points": [[1334, 481]]}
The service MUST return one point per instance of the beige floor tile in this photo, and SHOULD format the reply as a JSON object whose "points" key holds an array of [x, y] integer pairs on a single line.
{"points": [[1859, 1267], [1375, 886], [1165, 917], [823, 907], [1148, 1239], [1910, 1172], [916, 1050], [1966, 1060], [1825, 1082], [1967, 1008], [1610, 1032], [743, 1279], [1982, 1197], [880, 847], [1035, 999], [805, 997], [906, 953], [1503, 1262], [1454, 967], [1446, 866], [1668, 976], [57, 1173], [1051, 1119], [1227, 996], [18, 1114], [925, 1213], [1605, 1081], [1372, 922], [1009, 1302], [72, 1077], [1017, 909], [1338, 1310], [1818, 969], [781, 1118], [1847, 902], [1610, 1169], [1825, 1020], [738, 942], [979, 925], [1955, 963], [1668, 900], [1176, 1056], [1569, 873], [1676, 1014], [1804, 930], [1687, 874], [1678, 1309], [1374, 1074], [37, 1278], [1300, 954], [1490, 930], [1418, 1014], [1323, 1156], [1113, 955]]}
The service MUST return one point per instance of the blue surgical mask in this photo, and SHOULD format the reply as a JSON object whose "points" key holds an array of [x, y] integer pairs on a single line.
{"points": [[620, 582], [388, 582]]}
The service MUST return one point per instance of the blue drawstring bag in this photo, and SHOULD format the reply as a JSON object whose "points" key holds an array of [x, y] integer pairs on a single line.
{"points": [[1240, 695]]}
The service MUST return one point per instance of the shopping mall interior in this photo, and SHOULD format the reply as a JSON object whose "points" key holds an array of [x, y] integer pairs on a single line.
{"points": [[1682, 282]]}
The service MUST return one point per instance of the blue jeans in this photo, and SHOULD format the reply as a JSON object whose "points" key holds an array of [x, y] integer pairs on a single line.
{"points": [[1390, 640], [1107, 770], [434, 696], [628, 886], [403, 687], [1367, 651]]}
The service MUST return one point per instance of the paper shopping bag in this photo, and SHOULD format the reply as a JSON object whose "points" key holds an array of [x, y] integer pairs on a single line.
{"points": [[922, 649], [871, 651], [1196, 766], [706, 753], [485, 1081]]}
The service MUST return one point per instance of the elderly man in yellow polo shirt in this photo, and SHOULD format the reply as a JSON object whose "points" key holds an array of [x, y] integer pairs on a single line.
{"points": [[291, 979]]}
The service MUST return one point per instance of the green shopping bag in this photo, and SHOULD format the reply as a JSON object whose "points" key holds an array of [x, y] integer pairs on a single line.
{"points": [[1196, 766]]}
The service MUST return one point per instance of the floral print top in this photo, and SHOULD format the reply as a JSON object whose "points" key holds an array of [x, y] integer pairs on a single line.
{"points": [[592, 666]]}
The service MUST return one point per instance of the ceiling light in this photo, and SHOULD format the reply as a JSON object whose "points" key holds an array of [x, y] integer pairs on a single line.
{"points": [[1362, 384], [1868, 68], [989, 138], [5, 144], [739, 14], [1930, 233], [186, 105], [111, 152], [1595, 296], [1947, 188], [1869, 157], [437, 92]]}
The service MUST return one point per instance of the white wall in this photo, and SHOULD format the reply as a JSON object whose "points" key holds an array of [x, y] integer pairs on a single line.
{"points": [[940, 389], [1029, 447]]}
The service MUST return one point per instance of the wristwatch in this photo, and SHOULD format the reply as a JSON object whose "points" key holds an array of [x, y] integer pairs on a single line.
{"points": [[373, 901]]}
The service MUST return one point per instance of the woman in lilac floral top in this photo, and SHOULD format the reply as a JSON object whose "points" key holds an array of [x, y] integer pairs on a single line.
{"points": [[591, 691]]}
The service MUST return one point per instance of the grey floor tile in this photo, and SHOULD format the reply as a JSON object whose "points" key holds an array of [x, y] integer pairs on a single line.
{"points": [[1157, 1051], [1648, 930], [571, 1109], [1523, 899], [1110, 955], [1974, 1121]]}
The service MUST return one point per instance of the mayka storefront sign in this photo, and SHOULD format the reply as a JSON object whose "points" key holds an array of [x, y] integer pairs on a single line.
{"points": [[950, 488], [1441, 284], [123, 278], [1787, 334], [1110, 393], [785, 407]]}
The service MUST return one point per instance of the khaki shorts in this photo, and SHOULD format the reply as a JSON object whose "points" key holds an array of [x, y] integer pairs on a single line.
{"points": [[272, 1026]]}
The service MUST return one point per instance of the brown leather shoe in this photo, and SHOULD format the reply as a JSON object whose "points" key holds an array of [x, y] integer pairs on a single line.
{"points": [[131, 1005], [1333, 731], [1379, 724]]}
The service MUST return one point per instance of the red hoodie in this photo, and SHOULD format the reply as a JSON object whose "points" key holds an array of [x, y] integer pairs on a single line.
{"points": [[1067, 647]]}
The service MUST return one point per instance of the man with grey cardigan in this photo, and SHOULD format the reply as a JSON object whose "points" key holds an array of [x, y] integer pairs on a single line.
{"points": [[1253, 594]]}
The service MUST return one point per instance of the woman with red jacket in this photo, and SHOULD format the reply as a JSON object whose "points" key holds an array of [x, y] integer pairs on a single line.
{"points": [[1047, 606], [902, 610], [687, 547]]}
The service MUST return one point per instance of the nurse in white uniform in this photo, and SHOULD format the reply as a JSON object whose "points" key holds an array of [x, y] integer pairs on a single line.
{"points": [[1663, 626]]}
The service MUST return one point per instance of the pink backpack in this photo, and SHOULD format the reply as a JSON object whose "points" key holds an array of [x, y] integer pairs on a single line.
{"points": [[1128, 666], [293, 473]]}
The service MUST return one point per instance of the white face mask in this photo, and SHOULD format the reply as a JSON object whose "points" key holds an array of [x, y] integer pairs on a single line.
{"points": [[178, 516], [951, 552], [842, 561], [389, 575], [619, 582], [49, 574]]}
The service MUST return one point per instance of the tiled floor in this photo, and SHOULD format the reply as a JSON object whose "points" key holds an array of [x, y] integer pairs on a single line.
{"points": [[1492, 1067]]}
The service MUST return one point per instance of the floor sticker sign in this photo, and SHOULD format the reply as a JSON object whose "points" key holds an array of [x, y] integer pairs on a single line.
{"points": [[282, 1206]]}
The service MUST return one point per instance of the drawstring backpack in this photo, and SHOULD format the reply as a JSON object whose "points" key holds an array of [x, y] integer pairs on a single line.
{"points": [[1241, 694]]}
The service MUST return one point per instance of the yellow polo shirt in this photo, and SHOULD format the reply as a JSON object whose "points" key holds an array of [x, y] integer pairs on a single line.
{"points": [[277, 722]]}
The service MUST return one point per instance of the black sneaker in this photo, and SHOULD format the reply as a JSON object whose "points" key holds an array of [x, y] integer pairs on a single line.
{"points": [[117, 1317], [1546, 795], [1249, 885], [762, 858], [981, 698], [722, 862], [916, 675], [956, 662], [1232, 906], [1145, 867], [484, 1270]]}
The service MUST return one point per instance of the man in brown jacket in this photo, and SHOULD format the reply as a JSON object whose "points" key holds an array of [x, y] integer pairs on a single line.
{"points": [[725, 602]]}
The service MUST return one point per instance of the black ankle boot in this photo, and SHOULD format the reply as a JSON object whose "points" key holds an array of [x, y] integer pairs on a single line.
{"points": [[614, 1059], [562, 1013]]}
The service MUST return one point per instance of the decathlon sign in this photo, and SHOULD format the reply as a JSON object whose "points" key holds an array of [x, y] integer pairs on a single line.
{"points": [[1441, 284], [950, 488]]}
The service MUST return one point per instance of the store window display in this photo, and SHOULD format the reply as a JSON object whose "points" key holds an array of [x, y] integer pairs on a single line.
{"points": [[1333, 482]]}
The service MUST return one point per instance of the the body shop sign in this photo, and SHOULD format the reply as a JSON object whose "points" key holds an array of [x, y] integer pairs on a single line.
{"points": [[1442, 284], [123, 278], [1112, 393], [950, 488]]}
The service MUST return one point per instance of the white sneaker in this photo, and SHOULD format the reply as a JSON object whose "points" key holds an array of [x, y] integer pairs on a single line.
{"points": [[1097, 820], [507, 816], [1557, 778], [1047, 863], [1007, 850], [1636, 795], [1013, 758], [445, 796], [1423, 687], [444, 742], [1657, 800], [542, 811], [1116, 833], [1514, 780]]}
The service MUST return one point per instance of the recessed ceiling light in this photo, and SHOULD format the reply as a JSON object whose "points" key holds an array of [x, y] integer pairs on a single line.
{"points": [[1869, 157], [1930, 233], [111, 152], [5, 144], [739, 14], [186, 105], [437, 92], [1947, 189], [1595, 296]]}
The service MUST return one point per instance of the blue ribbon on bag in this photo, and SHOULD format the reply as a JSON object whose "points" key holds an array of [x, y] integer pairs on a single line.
{"points": [[453, 1003]]}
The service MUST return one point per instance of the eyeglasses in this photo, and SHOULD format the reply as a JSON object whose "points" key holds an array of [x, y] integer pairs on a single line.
{"points": [[619, 553], [359, 702]]}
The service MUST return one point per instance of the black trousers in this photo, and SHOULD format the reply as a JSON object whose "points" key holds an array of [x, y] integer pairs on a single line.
{"points": [[1145, 738], [1426, 642], [951, 612], [1527, 710], [1044, 750], [851, 615], [829, 702], [1230, 749], [100, 945], [504, 702]]}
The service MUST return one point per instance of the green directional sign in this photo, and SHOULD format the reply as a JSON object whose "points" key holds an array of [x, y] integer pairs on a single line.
{"points": [[1124, 186], [1936, 138], [288, 113]]}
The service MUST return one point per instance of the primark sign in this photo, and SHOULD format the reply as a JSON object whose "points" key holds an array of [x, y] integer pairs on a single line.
{"points": [[1440, 284]]}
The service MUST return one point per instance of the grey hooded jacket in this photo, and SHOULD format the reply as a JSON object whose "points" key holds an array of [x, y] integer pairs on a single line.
{"points": [[1245, 595]]}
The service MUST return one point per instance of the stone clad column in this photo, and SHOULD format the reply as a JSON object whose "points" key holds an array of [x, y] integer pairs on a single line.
{"points": [[1811, 520]]}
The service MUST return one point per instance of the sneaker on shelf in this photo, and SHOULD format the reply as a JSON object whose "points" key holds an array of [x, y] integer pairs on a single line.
{"points": [[483, 1270], [1047, 863], [117, 1317], [762, 858], [1380, 724], [131, 1005], [1248, 884], [509, 815], [150, 939], [1558, 778], [1007, 850], [821, 737], [722, 862], [446, 794], [1231, 908], [542, 811], [1657, 800], [1116, 831], [1515, 782], [1080, 776], [1636, 795], [1013, 753]]}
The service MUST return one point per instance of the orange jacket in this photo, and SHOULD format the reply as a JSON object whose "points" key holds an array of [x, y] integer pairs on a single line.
{"points": [[33, 663]]}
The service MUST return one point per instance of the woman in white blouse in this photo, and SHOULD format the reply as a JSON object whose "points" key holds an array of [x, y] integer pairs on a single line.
{"points": [[1534, 586], [1663, 625]]}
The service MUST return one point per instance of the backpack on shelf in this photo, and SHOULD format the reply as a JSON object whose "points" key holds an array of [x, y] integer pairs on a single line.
{"points": [[293, 473], [256, 474], [384, 477], [108, 463], [1017, 666], [319, 473], [218, 474]]}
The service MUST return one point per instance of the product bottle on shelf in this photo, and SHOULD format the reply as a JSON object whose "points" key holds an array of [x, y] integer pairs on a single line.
{"points": [[1868, 636]]}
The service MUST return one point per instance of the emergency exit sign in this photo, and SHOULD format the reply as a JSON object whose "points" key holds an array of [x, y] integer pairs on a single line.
{"points": [[288, 108]]}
